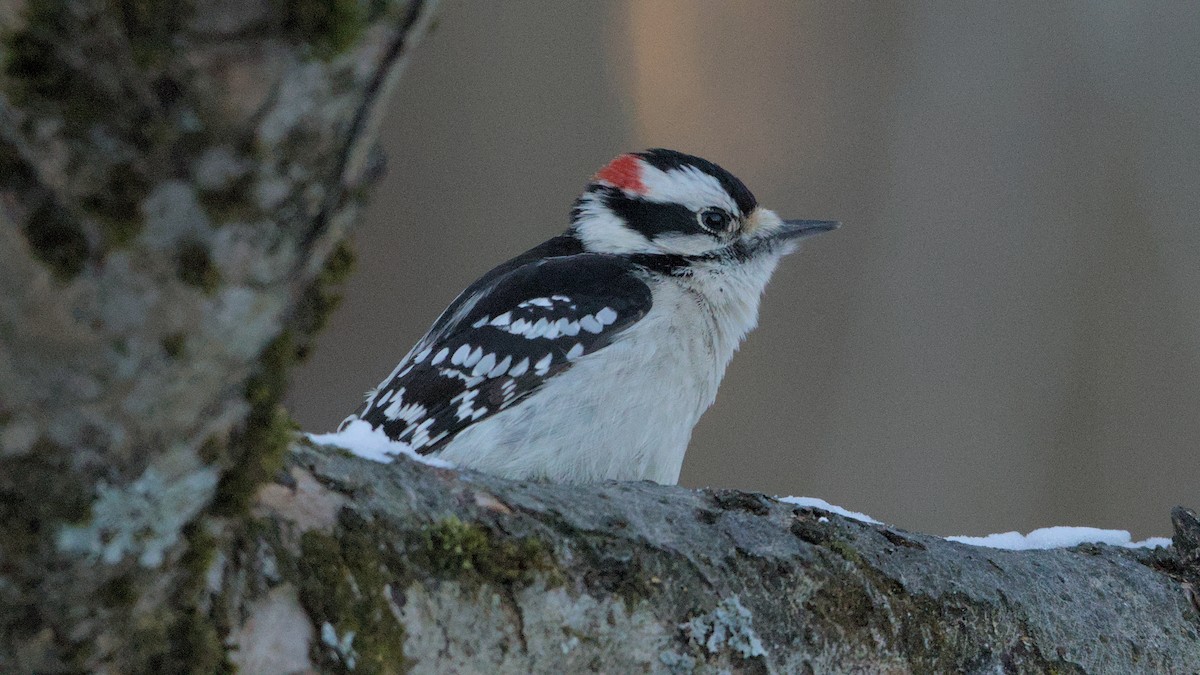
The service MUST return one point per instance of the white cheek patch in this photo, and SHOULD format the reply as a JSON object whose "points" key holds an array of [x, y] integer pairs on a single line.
{"points": [[686, 185], [601, 231]]}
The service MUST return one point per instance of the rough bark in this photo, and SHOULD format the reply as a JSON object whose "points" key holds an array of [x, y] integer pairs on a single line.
{"points": [[174, 182], [462, 572], [175, 178]]}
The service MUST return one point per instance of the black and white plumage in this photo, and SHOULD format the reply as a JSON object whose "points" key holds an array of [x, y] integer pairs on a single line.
{"points": [[593, 355]]}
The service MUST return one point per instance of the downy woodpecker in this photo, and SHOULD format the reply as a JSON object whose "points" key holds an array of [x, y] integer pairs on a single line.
{"points": [[593, 355]]}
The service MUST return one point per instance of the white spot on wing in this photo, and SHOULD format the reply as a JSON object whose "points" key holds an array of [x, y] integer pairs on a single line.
{"points": [[501, 367], [519, 369], [473, 357], [422, 355], [606, 316], [455, 374], [509, 390], [575, 352], [460, 355], [538, 329], [481, 322], [502, 320], [543, 366], [552, 328], [440, 356], [411, 413], [420, 434], [484, 366], [465, 400]]}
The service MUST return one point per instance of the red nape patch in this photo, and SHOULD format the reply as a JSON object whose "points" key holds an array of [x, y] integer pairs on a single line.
{"points": [[624, 172]]}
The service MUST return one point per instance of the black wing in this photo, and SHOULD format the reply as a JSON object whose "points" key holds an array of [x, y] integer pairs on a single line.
{"points": [[499, 343]]}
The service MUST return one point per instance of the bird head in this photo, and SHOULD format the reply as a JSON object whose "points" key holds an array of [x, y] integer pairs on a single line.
{"points": [[663, 202]]}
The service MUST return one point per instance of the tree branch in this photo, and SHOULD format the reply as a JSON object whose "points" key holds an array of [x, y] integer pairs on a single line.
{"points": [[463, 572]]}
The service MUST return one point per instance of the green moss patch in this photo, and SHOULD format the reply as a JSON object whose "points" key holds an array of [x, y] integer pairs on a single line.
{"points": [[15, 172], [351, 580], [37, 74], [55, 236], [173, 344], [37, 496], [194, 267], [116, 205], [330, 27], [212, 449], [57, 240], [258, 447], [343, 581], [151, 26], [322, 297], [193, 638], [453, 549], [231, 203], [195, 647]]}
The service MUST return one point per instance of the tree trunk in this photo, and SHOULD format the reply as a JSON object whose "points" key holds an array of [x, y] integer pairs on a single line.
{"points": [[175, 179]]}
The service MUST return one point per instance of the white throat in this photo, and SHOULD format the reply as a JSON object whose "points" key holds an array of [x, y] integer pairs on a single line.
{"points": [[732, 295]]}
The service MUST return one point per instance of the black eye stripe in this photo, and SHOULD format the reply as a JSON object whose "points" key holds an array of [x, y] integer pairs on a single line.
{"points": [[655, 219], [652, 219]]}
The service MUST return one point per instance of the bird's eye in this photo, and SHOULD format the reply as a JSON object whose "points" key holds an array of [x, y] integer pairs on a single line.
{"points": [[714, 220]]}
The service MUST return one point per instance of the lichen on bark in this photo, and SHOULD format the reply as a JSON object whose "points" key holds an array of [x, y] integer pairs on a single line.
{"points": [[483, 573], [171, 205]]}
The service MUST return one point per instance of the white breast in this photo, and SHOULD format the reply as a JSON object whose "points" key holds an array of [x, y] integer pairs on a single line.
{"points": [[627, 411]]}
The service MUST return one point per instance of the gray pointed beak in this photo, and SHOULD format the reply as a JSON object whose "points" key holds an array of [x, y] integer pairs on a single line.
{"points": [[798, 229]]}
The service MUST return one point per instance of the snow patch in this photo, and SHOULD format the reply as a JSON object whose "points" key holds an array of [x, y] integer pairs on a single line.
{"points": [[361, 439], [815, 503], [1060, 536]]}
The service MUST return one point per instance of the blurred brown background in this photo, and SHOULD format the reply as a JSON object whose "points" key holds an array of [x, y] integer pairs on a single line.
{"points": [[1004, 335]]}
